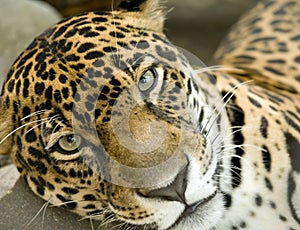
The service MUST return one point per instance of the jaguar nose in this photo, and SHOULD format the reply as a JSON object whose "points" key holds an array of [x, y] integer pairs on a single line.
{"points": [[173, 192]]}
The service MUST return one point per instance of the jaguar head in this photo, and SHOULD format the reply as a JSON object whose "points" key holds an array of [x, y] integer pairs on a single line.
{"points": [[103, 115]]}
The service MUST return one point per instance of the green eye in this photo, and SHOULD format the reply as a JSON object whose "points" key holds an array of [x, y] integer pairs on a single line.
{"points": [[147, 81], [69, 144]]}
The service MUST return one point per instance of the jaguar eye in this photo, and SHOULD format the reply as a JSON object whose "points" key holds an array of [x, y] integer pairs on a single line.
{"points": [[147, 81], [69, 144]]}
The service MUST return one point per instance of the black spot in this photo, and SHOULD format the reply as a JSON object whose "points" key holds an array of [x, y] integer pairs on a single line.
{"points": [[72, 173], [63, 78], [27, 69], [59, 32], [31, 53], [291, 190], [109, 49], [116, 34], [50, 186], [57, 96], [236, 117], [85, 47], [35, 152], [264, 127], [254, 102], [25, 88], [293, 147], [72, 57], [70, 33], [273, 205], [166, 53], [40, 57], [283, 8], [60, 171], [91, 34], [89, 106], [142, 44], [48, 93], [26, 111], [291, 123], [39, 88], [65, 92], [283, 218], [10, 86], [264, 39], [266, 158], [274, 71], [277, 61], [246, 57], [100, 28], [93, 55], [67, 203], [39, 186], [133, 5], [30, 136], [63, 67], [90, 206], [258, 200], [71, 191], [99, 19], [227, 200], [78, 66], [296, 38], [268, 184], [297, 59], [89, 197]]}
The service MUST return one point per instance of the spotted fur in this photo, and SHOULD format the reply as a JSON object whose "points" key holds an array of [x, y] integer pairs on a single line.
{"points": [[102, 115]]}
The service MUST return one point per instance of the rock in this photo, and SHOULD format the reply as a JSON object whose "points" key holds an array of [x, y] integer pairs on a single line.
{"points": [[20, 22], [21, 209], [8, 177]]}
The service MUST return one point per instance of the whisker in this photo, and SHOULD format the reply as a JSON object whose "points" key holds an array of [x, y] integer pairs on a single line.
{"points": [[91, 222], [44, 213], [34, 114], [214, 68], [56, 126], [228, 147], [44, 122], [63, 203], [232, 92], [22, 126], [29, 130], [45, 205], [115, 31]]}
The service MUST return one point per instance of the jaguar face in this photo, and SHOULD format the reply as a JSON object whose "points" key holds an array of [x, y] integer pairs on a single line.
{"points": [[107, 118]]}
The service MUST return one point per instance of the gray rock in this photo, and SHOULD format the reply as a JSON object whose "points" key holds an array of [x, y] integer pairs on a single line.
{"points": [[21, 209], [20, 22], [9, 175]]}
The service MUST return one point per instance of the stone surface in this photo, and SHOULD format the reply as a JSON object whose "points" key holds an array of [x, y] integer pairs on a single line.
{"points": [[9, 176], [20, 22], [21, 209]]}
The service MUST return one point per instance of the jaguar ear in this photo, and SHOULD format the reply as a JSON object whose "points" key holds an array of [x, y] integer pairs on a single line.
{"points": [[147, 13], [6, 127]]}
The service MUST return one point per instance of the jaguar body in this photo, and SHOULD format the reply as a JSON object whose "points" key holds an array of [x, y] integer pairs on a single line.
{"points": [[102, 115]]}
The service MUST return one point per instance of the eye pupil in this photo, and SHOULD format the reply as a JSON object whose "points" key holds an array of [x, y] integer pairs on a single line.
{"points": [[71, 139]]}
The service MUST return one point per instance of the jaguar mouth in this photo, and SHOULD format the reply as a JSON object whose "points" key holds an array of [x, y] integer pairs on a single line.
{"points": [[190, 209]]}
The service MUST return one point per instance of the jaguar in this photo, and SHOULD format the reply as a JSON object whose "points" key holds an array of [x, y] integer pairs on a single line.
{"points": [[103, 115]]}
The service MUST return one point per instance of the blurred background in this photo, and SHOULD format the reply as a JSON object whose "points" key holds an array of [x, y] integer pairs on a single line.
{"points": [[196, 25]]}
